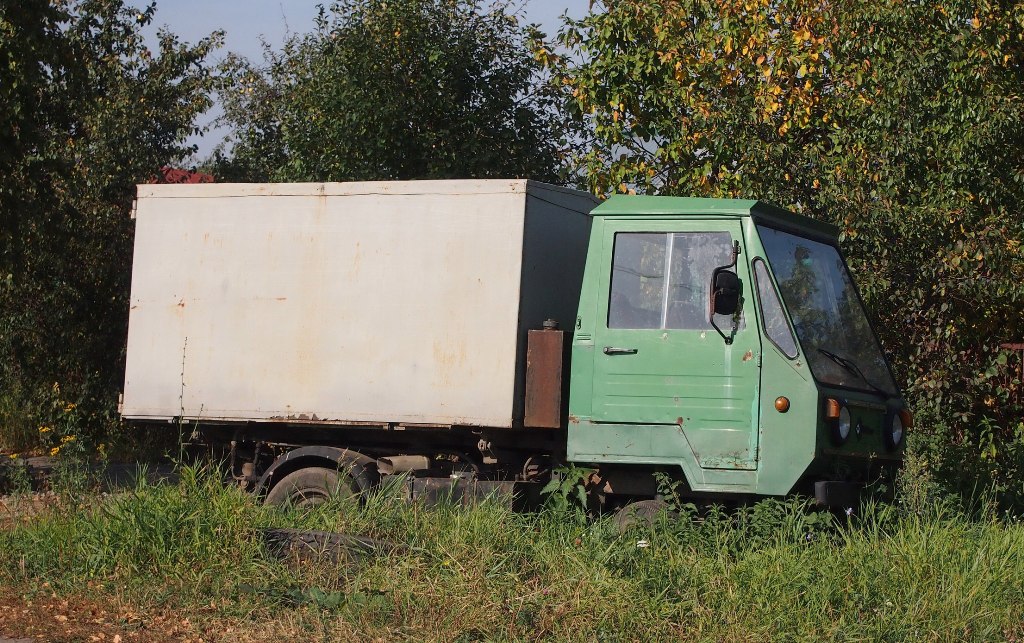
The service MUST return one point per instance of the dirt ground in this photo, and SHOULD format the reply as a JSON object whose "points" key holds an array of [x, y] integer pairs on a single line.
{"points": [[41, 615], [45, 617]]}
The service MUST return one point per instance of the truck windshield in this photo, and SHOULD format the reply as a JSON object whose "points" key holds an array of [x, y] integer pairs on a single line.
{"points": [[830, 322]]}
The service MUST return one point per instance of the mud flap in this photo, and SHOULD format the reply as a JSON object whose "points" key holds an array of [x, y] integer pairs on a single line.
{"points": [[836, 494]]}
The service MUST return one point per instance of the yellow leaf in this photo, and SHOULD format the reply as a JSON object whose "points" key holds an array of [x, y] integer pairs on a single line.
{"points": [[976, 23]]}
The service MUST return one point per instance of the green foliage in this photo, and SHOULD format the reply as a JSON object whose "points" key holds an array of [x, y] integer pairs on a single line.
{"points": [[566, 492], [194, 535], [770, 571], [14, 476], [69, 441], [406, 89], [903, 123], [92, 112]]}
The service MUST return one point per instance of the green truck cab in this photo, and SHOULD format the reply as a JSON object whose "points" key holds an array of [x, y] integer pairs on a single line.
{"points": [[724, 341]]}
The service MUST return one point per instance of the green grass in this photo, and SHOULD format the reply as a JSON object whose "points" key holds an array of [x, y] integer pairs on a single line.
{"points": [[768, 572]]}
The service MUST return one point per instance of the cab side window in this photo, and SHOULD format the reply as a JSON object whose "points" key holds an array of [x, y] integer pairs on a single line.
{"points": [[662, 280], [638, 281], [775, 325]]}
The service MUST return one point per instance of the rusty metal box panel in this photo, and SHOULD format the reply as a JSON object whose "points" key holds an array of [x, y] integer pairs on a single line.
{"points": [[545, 370], [346, 302]]}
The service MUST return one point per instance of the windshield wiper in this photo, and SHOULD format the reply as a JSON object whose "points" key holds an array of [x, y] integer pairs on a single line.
{"points": [[852, 367]]}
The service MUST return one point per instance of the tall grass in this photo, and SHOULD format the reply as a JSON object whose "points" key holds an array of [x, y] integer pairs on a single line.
{"points": [[773, 571]]}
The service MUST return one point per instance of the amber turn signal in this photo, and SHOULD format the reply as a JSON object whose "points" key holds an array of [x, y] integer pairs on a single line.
{"points": [[832, 409], [782, 404], [906, 418]]}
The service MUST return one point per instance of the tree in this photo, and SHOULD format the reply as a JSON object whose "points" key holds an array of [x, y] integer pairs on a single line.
{"points": [[900, 122], [395, 89], [91, 112]]}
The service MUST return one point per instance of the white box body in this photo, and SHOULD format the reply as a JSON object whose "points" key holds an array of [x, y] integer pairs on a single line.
{"points": [[380, 302]]}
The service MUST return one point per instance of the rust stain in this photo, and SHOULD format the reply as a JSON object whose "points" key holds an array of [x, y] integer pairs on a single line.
{"points": [[321, 203], [749, 355], [357, 260], [679, 421], [573, 419], [181, 303], [448, 360]]}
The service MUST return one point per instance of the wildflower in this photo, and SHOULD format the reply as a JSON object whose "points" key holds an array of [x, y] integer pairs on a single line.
{"points": [[70, 407], [13, 456], [54, 451], [45, 429], [67, 438]]}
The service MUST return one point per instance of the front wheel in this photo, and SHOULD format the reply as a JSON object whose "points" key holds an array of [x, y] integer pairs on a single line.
{"points": [[644, 512], [310, 487]]}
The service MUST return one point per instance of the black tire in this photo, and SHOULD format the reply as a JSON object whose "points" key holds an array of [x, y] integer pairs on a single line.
{"points": [[644, 512], [311, 486]]}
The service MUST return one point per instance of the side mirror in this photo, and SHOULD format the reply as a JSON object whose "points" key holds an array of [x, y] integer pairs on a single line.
{"points": [[725, 292]]}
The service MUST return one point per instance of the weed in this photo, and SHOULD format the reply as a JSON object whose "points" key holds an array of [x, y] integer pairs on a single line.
{"points": [[17, 428], [670, 489], [566, 492], [14, 476]]}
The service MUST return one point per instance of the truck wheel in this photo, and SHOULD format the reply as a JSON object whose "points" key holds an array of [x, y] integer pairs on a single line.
{"points": [[309, 487], [645, 513]]}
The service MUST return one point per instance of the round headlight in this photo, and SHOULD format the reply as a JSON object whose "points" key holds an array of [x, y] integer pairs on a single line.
{"points": [[894, 431], [843, 425]]}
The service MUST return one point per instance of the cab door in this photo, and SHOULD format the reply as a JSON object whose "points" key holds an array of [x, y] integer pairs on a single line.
{"points": [[658, 359]]}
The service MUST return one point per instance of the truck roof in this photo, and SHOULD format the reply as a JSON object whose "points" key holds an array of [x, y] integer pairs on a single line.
{"points": [[621, 205], [350, 188]]}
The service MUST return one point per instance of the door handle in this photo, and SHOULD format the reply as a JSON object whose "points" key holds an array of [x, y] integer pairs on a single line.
{"points": [[611, 350]]}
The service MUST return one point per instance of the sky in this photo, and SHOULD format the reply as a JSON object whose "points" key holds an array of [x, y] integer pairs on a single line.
{"points": [[247, 22]]}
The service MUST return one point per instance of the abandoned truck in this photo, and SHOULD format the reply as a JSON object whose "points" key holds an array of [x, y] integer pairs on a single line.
{"points": [[479, 334]]}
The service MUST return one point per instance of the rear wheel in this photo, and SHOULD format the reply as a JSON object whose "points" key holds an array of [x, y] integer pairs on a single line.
{"points": [[310, 487]]}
